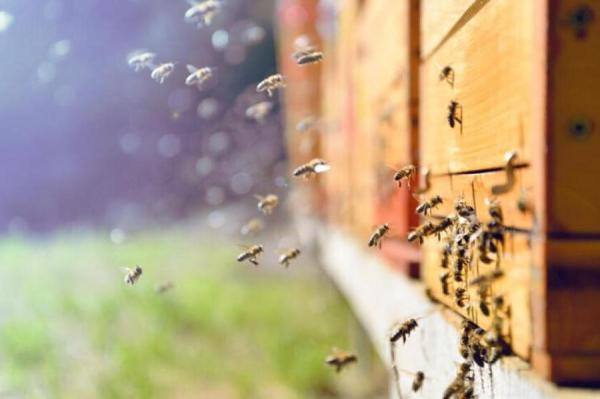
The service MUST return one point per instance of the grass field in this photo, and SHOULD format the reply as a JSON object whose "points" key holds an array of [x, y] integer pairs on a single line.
{"points": [[70, 327]]}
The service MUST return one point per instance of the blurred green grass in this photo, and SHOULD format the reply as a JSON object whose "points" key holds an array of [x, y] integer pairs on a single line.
{"points": [[70, 327]]}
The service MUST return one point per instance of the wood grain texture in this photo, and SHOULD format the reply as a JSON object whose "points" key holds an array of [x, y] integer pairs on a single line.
{"points": [[438, 19], [337, 114], [491, 56], [387, 83]]}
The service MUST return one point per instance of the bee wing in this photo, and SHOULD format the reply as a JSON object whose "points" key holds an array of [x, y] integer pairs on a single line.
{"points": [[244, 246], [259, 197], [191, 68], [322, 168]]}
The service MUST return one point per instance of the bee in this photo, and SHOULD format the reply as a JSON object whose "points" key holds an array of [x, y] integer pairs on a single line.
{"points": [[495, 211], [198, 76], [462, 385], [402, 330], [444, 280], [427, 206], [202, 13], [164, 287], [251, 254], [133, 275], [523, 204], [447, 74], [305, 57], [161, 72], [377, 236], [486, 279], [460, 297], [444, 225], [141, 60], [340, 359], [407, 173], [453, 110], [421, 232], [446, 252], [418, 381], [271, 84], [254, 225], [463, 209], [259, 111], [267, 203], [307, 124], [288, 255], [461, 260], [312, 167]]}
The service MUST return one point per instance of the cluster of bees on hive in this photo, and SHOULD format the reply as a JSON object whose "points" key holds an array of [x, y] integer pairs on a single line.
{"points": [[460, 231], [202, 13], [466, 242]]}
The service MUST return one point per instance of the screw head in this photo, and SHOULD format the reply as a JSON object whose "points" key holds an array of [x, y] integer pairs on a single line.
{"points": [[580, 127]]}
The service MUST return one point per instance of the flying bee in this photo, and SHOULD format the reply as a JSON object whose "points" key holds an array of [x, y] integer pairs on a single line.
{"points": [[305, 57], [444, 225], [402, 330], [271, 84], [141, 60], [407, 173], [427, 206], [460, 297], [259, 111], [307, 124], [198, 76], [444, 280], [311, 168], [267, 203], [202, 13], [377, 236], [251, 254], [133, 275], [288, 255], [340, 359], [253, 226], [453, 109], [161, 72], [418, 381], [164, 287], [421, 232]]}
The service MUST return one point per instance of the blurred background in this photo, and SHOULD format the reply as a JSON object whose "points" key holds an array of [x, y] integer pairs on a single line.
{"points": [[104, 168]]}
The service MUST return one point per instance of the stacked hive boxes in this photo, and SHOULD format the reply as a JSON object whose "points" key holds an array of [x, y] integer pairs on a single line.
{"points": [[520, 82]]}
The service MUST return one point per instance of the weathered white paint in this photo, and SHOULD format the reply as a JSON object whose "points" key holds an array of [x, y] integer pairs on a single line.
{"points": [[381, 297]]}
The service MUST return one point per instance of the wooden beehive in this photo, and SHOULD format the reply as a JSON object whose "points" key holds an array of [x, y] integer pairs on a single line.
{"points": [[517, 69], [525, 78]]}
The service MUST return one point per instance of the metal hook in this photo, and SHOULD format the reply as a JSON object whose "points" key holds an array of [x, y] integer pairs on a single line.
{"points": [[426, 179], [510, 158]]}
